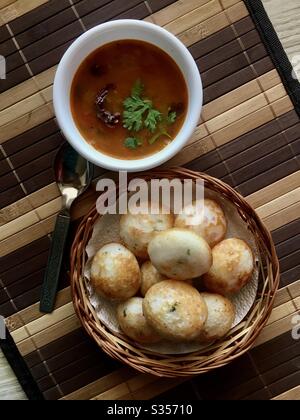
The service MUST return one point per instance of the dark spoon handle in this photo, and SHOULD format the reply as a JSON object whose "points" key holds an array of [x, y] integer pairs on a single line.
{"points": [[50, 284]]}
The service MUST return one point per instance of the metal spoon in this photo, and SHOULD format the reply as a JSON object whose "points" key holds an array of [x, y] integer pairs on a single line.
{"points": [[73, 175]]}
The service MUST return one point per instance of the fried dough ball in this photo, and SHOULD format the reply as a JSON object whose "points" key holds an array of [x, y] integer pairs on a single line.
{"points": [[232, 268], [133, 322], [175, 310], [208, 221], [137, 230], [180, 254], [149, 277], [115, 273], [221, 314]]}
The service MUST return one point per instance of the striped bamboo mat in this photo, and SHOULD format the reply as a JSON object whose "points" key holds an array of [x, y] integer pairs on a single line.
{"points": [[249, 137]]}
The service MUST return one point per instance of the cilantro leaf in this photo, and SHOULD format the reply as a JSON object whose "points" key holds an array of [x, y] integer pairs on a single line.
{"points": [[133, 119], [132, 143], [158, 135], [171, 118], [152, 119], [138, 89], [173, 307], [139, 112]]}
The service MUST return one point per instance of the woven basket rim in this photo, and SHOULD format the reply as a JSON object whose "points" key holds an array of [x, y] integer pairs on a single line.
{"points": [[233, 346]]}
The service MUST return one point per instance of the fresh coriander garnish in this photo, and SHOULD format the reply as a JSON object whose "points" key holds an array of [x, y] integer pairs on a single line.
{"points": [[171, 118], [152, 120], [139, 112], [138, 89], [132, 143], [158, 135], [162, 131], [173, 307]]}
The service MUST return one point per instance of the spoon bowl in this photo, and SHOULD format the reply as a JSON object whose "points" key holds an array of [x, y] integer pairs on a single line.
{"points": [[73, 174]]}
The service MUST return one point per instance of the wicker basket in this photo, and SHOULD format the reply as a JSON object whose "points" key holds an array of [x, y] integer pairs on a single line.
{"points": [[239, 340]]}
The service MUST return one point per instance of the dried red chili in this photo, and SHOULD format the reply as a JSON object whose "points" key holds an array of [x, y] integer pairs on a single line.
{"points": [[109, 118]]}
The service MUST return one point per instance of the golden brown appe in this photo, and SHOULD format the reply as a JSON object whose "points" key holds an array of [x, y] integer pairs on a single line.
{"points": [[175, 310], [180, 254], [232, 268], [115, 273], [209, 221], [221, 314], [137, 230], [133, 322], [149, 277]]}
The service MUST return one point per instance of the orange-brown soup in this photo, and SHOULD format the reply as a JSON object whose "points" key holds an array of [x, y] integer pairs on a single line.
{"points": [[118, 67]]}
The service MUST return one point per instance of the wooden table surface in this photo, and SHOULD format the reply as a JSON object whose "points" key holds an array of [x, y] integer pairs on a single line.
{"points": [[285, 16]]}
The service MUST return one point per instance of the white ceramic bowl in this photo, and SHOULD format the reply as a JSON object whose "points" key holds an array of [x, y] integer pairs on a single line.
{"points": [[104, 34]]}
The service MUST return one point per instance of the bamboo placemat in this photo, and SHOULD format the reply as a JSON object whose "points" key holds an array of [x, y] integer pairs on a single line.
{"points": [[249, 137]]}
